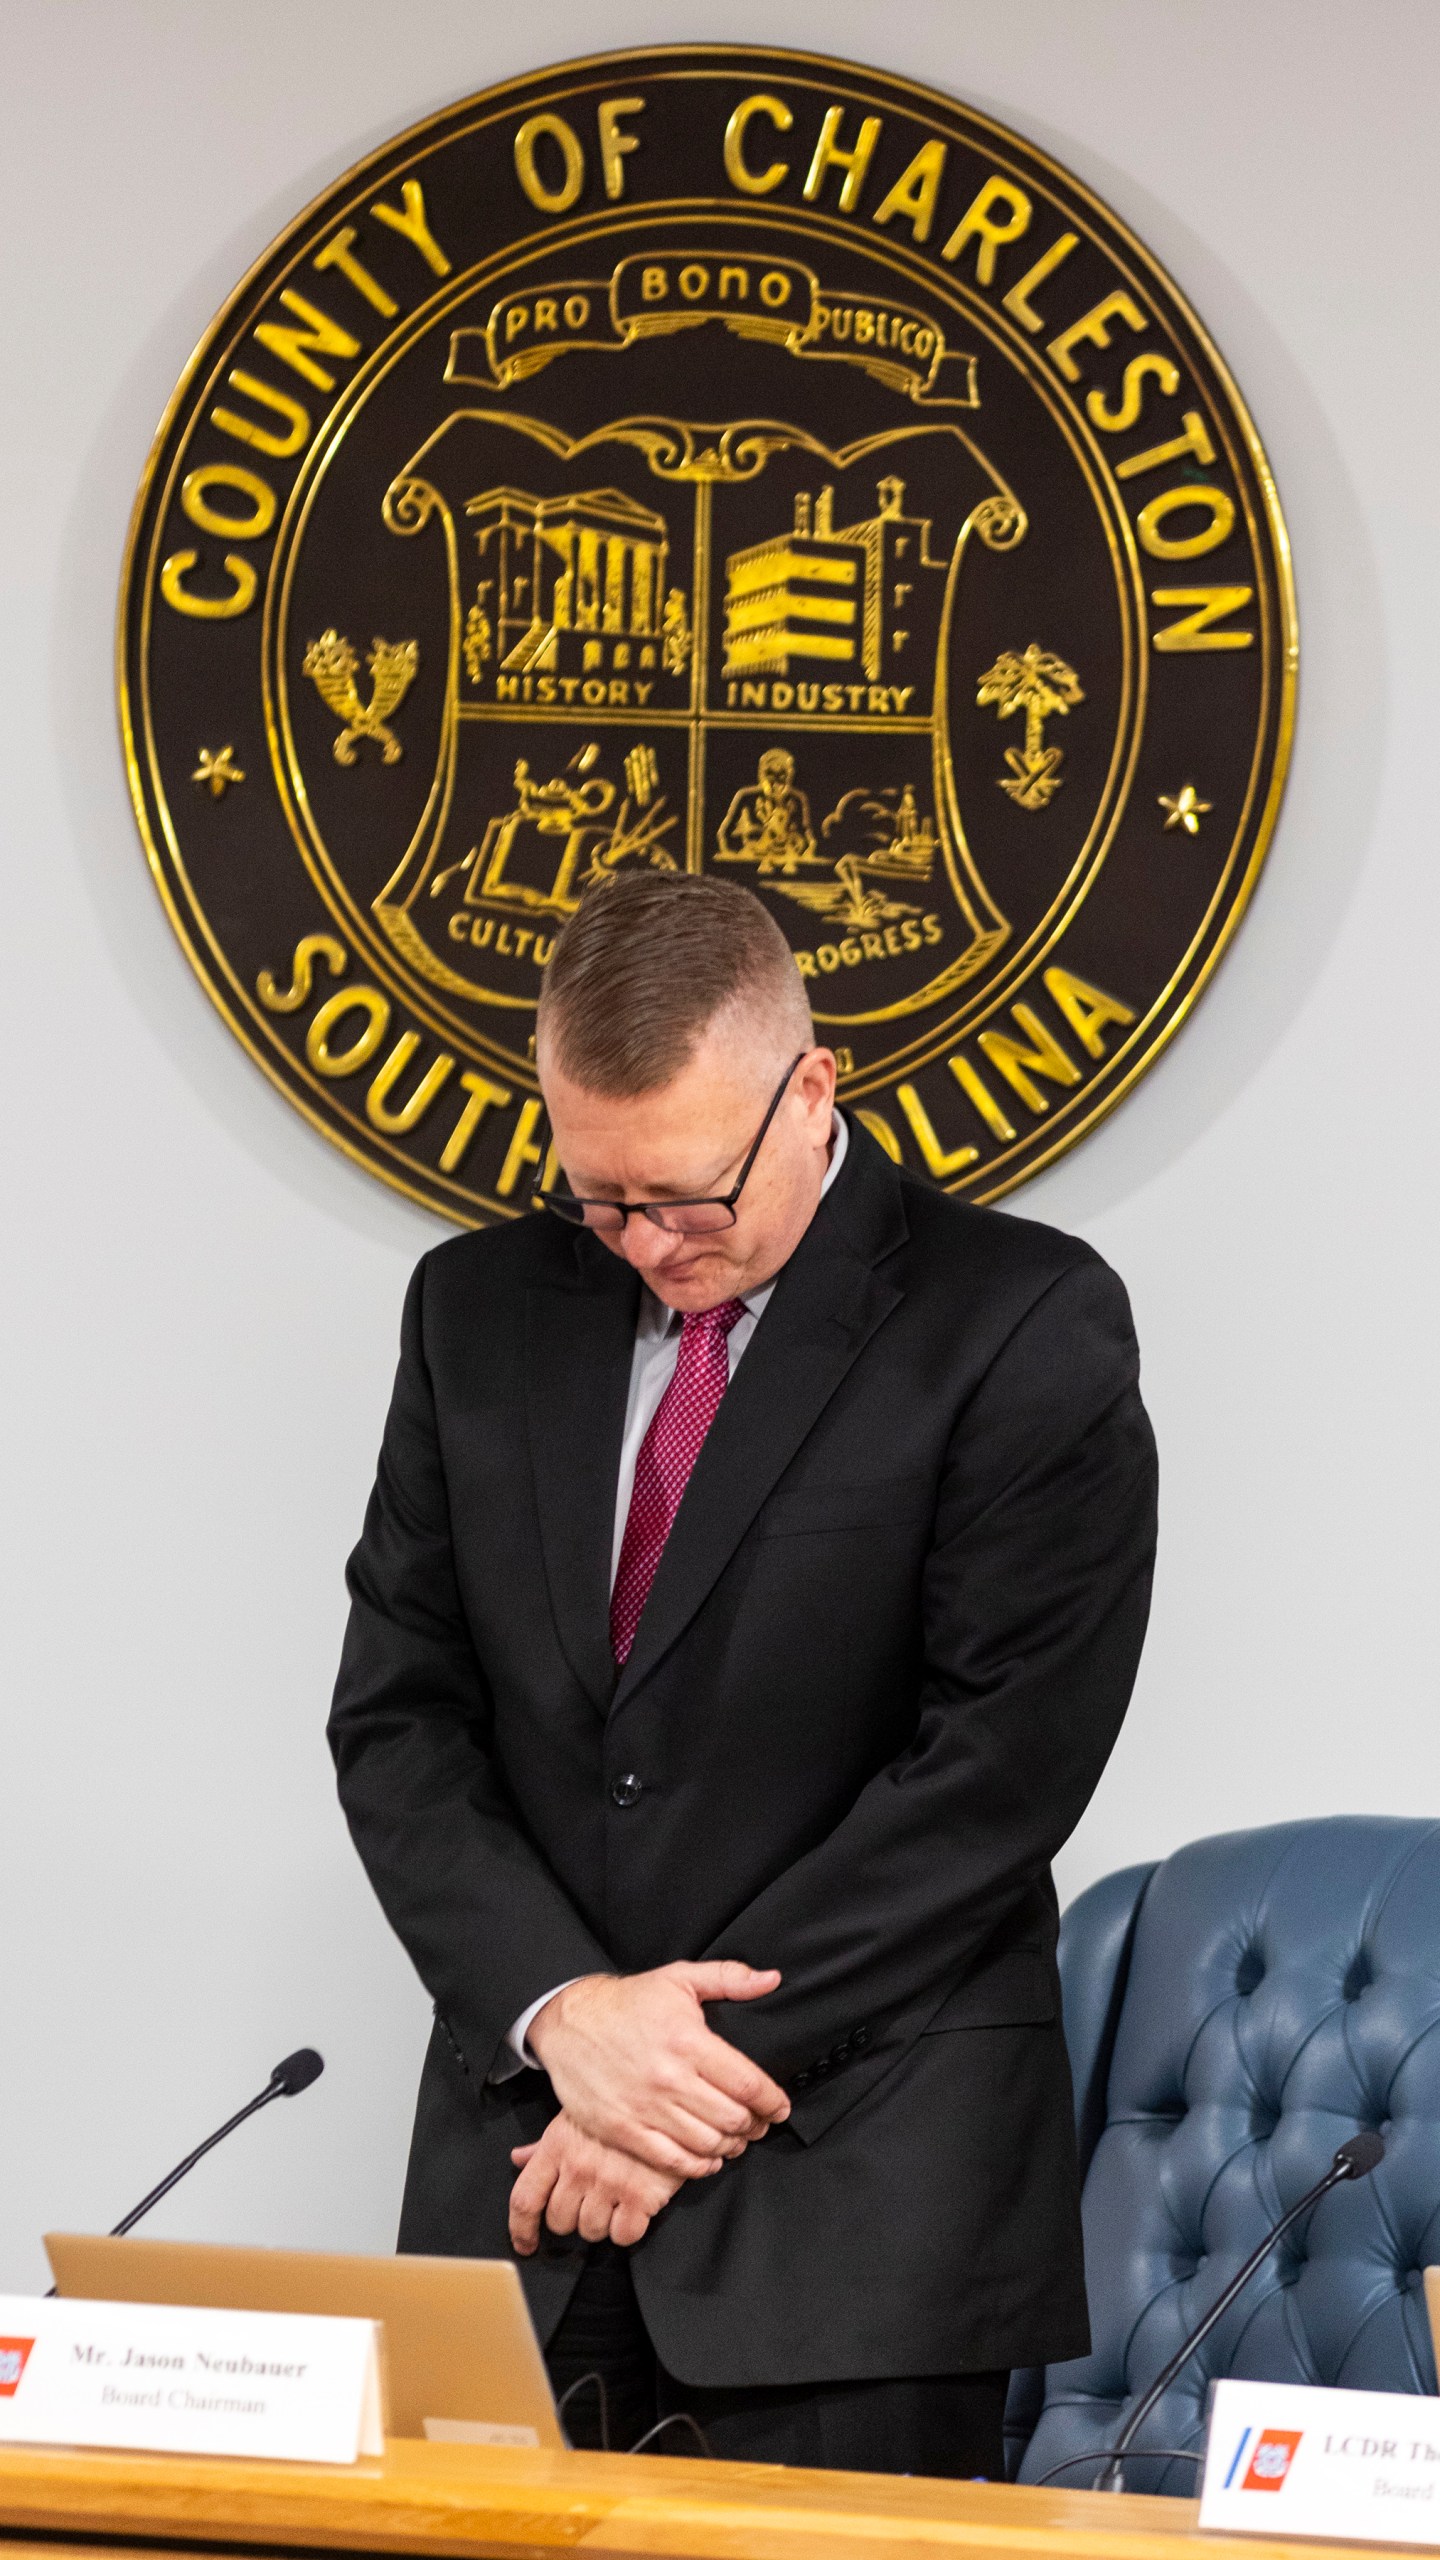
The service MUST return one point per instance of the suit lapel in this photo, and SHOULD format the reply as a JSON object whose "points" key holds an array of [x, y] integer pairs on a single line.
{"points": [[828, 1302], [579, 1341]]}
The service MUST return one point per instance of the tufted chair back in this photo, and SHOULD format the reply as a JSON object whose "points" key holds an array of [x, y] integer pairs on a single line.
{"points": [[1232, 2014]]}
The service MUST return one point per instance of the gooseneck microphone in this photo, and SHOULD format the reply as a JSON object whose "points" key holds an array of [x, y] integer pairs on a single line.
{"points": [[298, 2071], [288, 2078], [1354, 2159]]}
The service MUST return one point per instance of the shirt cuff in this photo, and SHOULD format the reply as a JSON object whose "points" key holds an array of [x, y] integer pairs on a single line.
{"points": [[520, 2057]]}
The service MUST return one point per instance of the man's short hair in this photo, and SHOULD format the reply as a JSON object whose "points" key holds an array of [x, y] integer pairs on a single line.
{"points": [[637, 977]]}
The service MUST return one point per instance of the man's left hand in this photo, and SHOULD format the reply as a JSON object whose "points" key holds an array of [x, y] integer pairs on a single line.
{"points": [[632, 2059], [571, 2182]]}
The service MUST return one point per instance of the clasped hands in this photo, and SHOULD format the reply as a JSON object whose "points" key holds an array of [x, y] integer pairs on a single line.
{"points": [[649, 2096]]}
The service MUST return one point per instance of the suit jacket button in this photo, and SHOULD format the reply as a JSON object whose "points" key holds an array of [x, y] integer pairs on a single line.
{"points": [[627, 1790], [859, 2038], [801, 2080]]}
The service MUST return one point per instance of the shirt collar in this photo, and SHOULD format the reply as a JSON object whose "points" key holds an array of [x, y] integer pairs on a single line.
{"points": [[656, 1319]]}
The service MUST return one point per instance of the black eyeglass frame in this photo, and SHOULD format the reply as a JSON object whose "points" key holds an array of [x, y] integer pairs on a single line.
{"points": [[564, 1204]]}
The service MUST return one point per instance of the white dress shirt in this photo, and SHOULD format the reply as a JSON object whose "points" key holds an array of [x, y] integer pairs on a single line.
{"points": [[652, 1366]]}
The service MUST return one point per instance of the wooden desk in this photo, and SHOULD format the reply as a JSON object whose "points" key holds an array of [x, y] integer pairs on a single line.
{"points": [[462, 2500]]}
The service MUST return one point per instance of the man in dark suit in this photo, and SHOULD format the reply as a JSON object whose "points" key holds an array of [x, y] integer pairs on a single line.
{"points": [[748, 1602]]}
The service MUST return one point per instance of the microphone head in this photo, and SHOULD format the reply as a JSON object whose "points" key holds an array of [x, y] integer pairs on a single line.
{"points": [[1362, 2153], [298, 2070]]}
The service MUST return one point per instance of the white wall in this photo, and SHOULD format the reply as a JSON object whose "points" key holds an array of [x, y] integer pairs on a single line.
{"points": [[200, 1298]]}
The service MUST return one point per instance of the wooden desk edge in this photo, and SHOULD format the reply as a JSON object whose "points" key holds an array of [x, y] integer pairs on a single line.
{"points": [[452, 2499]]}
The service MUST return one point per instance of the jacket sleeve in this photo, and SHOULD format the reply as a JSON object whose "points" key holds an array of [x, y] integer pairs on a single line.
{"points": [[485, 1922], [1035, 1595]]}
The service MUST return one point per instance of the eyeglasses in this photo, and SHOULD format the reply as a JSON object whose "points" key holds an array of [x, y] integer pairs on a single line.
{"points": [[676, 1217]]}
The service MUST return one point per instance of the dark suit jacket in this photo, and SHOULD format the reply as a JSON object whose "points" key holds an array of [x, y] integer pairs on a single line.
{"points": [[882, 1664]]}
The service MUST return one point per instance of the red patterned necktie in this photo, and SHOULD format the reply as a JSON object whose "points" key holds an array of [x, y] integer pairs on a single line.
{"points": [[667, 1454]]}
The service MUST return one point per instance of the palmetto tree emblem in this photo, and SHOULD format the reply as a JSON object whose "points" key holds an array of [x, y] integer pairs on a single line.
{"points": [[1039, 684]]}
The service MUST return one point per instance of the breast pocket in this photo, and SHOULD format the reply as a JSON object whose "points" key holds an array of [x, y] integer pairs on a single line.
{"points": [[879, 1502]]}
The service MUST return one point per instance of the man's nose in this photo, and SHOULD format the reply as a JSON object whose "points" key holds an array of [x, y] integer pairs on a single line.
{"points": [[645, 1245]]}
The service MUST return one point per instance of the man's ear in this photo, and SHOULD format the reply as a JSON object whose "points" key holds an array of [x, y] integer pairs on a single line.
{"points": [[817, 1079]]}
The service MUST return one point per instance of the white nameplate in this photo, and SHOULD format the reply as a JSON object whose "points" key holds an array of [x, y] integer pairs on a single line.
{"points": [[152, 2378], [1335, 2466]]}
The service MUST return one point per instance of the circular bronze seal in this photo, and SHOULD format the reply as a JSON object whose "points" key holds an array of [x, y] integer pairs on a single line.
{"points": [[707, 457]]}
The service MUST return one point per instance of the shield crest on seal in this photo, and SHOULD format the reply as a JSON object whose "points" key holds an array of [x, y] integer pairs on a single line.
{"points": [[700, 646]]}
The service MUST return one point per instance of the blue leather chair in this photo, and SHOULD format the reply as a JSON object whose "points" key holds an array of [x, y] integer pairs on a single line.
{"points": [[1232, 2015]]}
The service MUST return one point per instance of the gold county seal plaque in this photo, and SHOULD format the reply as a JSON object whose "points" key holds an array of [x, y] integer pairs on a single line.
{"points": [[718, 459]]}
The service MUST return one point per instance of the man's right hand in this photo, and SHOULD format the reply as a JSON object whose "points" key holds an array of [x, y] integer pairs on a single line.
{"points": [[573, 2184], [634, 2064]]}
